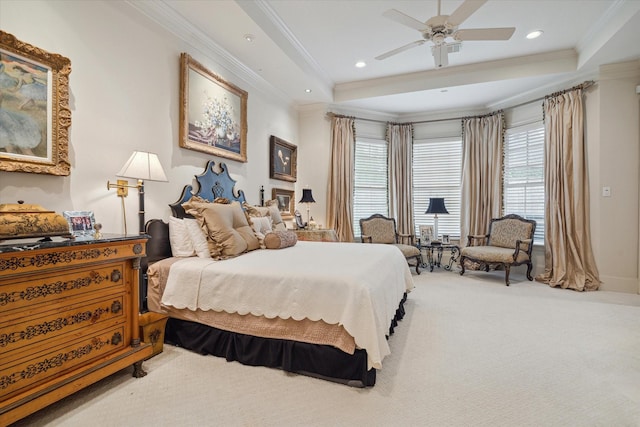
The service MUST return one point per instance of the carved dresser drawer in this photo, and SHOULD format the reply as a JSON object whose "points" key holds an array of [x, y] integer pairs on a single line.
{"points": [[68, 318]]}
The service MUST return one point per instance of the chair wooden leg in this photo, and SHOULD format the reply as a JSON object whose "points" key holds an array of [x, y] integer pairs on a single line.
{"points": [[529, 267], [507, 270], [462, 259]]}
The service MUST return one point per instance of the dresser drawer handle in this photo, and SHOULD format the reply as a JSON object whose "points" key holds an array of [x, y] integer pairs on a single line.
{"points": [[116, 307], [116, 276], [116, 338]]}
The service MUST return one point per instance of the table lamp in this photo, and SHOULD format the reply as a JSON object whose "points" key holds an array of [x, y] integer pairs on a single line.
{"points": [[436, 206], [307, 198], [142, 166]]}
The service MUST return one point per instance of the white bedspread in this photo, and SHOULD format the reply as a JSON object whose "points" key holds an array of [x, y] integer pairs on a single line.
{"points": [[356, 285]]}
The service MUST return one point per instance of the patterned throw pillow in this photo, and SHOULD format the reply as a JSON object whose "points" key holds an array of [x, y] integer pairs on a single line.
{"points": [[280, 239]]}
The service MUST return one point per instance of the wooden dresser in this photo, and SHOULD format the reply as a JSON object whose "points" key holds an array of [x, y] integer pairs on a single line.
{"points": [[68, 318]]}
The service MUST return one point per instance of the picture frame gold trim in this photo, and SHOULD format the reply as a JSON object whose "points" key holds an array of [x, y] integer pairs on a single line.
{"points": [[283, 159], [217, 126], [286, 201], [54, 128]]}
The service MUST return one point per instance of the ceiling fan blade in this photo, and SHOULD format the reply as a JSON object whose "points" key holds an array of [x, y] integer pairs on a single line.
{"points": [[465, 10], [400, 49], [403, 19], [484, 34]]}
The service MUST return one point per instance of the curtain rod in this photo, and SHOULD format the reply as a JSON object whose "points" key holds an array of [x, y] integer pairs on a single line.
{"points": [[584, 85]]}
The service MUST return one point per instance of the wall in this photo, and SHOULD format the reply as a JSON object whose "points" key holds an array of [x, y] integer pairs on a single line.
{"points": [[615, 163], [125, 96]]}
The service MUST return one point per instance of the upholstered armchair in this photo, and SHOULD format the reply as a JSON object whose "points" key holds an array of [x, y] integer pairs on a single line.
{"points": [[508, 243], [380, 229]]}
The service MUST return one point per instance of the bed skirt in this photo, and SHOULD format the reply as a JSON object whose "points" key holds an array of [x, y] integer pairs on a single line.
{"points": [[320, 361]]}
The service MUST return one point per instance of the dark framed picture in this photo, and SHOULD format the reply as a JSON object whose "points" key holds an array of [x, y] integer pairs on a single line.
{"points": [[283, 159], [34, 97], [213, 112], [81, 223], [286, 201]]}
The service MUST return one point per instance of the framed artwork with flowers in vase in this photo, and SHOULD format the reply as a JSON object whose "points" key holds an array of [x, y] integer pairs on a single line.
{"points": [[213, 112]]}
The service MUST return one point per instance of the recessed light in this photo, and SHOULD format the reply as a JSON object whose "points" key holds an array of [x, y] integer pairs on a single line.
{"points": [[361, 64], [249, 37], [534, 34], [308, 90]]}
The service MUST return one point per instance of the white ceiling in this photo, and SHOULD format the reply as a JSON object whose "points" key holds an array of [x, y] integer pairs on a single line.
{"points": [[314, 44]]}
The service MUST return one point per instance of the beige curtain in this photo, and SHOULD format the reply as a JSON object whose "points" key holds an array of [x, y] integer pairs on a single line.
{"points": [[340, 197], [481, 198], [569, 261], [400, 143]]}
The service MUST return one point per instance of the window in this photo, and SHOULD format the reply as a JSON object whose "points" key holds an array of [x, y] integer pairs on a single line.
{"points": [[524, 175], [437, 171], [370, 193]]}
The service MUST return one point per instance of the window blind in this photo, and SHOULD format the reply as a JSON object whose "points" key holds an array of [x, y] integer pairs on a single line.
{"points": [[524, 175], [371, 193], [437, 171]]}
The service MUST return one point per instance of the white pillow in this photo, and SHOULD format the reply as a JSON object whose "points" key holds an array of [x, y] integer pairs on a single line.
{"points": [[261, 225], [198, 238], [179, 238]]}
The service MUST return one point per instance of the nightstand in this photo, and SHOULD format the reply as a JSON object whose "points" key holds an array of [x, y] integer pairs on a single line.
{"points": [[320, 235]]}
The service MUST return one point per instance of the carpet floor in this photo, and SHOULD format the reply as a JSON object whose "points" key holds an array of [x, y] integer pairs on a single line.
{"points": [[470, 352]]}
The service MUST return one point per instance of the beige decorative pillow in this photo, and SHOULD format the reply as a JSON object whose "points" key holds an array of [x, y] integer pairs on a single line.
{"points": [[270, 210], [280, 239], [275, 215], [228, 232]]}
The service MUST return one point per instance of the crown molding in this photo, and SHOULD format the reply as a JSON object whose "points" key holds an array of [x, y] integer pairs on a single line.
{"points": [[165, 16]]}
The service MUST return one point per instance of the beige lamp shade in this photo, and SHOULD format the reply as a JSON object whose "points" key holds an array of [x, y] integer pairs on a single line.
{"points": [[144, 166]]}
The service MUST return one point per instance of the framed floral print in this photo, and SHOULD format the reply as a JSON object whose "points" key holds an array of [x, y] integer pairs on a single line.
{"points": [[213, 112], [34, 108]]}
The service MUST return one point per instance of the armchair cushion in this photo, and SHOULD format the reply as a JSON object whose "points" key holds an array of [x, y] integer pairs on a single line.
{"points": [[493, 254], [408, 250], [381, 230], [504, 233]]}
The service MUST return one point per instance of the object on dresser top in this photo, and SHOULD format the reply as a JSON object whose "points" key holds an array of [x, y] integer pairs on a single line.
{"points": [[20, 220]]}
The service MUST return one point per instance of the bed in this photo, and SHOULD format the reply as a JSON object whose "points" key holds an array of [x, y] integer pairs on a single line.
{"points": [[320, 309]]}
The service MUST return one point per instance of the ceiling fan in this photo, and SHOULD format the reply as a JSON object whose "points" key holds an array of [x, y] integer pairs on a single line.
{"points": [[439, 28]]}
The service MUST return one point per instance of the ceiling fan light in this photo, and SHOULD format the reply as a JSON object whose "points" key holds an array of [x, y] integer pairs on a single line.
{"points": [[534, 34]]}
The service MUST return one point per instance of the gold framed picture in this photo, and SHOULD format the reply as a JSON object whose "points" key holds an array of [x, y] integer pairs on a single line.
{"points": [[34, 105], [283, 160], [213, 112], [286, 202]]}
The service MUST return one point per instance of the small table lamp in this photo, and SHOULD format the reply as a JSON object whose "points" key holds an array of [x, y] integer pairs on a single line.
{"points": [[436, 206], [307, 198], [141, 166]]}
